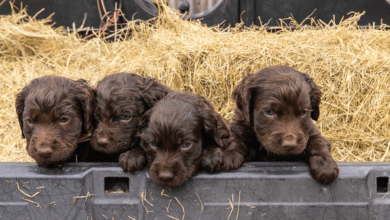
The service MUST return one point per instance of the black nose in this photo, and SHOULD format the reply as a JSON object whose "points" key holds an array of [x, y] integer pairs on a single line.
{"points": [[102, 141], [44, 152], [165, 175]]}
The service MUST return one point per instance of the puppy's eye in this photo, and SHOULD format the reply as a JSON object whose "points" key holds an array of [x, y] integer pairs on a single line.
{"points": [[303, 114], [268, 112], [64, 119], [152, 144], [29, 121], [187, 145], [125, 117]]}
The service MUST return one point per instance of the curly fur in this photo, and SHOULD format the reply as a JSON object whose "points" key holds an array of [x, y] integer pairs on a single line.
{"points": [[119, 96], [178, 119], [272, 121], [42, 105]]}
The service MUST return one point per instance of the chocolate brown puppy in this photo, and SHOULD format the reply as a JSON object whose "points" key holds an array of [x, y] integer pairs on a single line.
{"points": [[181, 133], [122, 99], [54, 113], [272, 122]]}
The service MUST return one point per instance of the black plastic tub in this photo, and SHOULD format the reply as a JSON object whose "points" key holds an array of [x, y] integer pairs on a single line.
{"points": [[255, 191]]}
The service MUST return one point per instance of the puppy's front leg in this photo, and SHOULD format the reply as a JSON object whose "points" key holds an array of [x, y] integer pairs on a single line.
{"points": [[235, 154], [212, 158], [132, 160], [323, 168]]}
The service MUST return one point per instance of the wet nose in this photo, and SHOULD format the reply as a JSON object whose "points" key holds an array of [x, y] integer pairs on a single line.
{"points": [[289, 142], [44, 152], [102, 141], [165, 175]]}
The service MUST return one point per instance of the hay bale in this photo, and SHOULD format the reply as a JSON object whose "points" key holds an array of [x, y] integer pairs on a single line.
{"points": [[351, 66]]}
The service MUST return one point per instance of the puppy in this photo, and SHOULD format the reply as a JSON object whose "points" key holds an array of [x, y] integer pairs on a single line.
{"points": [[54, 113], [272, 122], [122, 99], [180, 133]]}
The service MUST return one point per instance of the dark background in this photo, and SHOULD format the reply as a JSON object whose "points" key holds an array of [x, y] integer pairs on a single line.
{"points": [[227, 11]]}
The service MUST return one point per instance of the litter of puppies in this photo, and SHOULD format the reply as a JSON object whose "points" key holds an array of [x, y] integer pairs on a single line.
{"points": [[350, 65]]}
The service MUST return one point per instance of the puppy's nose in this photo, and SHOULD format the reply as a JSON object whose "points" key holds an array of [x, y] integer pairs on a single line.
{"points": [[289, 142], [44, 152], [102, 141], [165, 175], [289, 145]]}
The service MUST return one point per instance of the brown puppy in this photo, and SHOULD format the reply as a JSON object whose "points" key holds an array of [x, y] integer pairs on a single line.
{"points": [[180, 133], [122, 99], [54, 113], [272, 122]]}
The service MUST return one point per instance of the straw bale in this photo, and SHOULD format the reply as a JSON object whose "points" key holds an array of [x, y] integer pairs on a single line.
{"points": [[351, 65]]}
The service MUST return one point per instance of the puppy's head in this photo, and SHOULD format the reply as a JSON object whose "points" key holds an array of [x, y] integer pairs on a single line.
{"points": [[174, 134], [278, 102], [121, 100], [53, 113]]}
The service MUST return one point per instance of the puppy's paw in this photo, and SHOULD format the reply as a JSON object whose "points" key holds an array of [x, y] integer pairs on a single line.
{"points": [[212, 159], [232, 160], [132, 160], [324, 169]]}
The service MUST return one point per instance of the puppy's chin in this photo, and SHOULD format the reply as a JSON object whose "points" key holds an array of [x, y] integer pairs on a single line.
{"points": [[175, 182], [280, 151], [47, 163]]}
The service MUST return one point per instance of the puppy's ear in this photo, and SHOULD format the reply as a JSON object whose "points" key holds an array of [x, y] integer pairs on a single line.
{"points": [[209, 120], [242, 94], [86, 96], [153, 92], [144, 122], [19, 104], [315, 97]]}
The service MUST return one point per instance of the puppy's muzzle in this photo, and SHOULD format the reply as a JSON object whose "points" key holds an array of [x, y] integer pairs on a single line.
{"points": [[291, 142], [102, 139], [166, 175], [44, 152]]}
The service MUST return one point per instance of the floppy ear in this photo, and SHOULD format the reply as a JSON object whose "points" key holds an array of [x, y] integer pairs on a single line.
{"points": [[86, 96], [144, 122], [242, 94], [153, 92], [19, 104], [315, 97], [209, 120]]}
